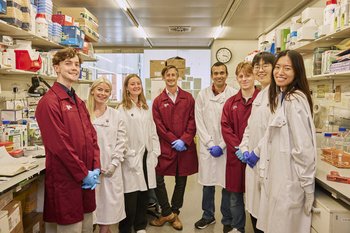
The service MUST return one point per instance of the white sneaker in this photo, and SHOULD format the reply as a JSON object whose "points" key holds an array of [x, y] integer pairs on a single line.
{"points": [[234, 230], [141, 231]]}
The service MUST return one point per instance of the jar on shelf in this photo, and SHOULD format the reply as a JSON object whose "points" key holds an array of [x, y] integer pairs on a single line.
{"points": [[41, 26]]}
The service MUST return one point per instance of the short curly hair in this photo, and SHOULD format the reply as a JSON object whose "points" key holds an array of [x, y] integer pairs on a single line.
{"points": [[64, 54]]}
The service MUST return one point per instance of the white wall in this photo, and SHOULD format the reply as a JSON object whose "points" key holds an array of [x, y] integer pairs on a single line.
{"points": [[239, 48]]}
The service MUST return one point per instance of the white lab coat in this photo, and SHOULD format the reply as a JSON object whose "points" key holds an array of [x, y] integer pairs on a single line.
{"points": [[142, 135], [208, 109], [289, 151], [111, 137], [254, 132]]}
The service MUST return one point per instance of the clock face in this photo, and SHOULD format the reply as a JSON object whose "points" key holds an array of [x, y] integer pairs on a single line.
{"points": [[223, 55]]}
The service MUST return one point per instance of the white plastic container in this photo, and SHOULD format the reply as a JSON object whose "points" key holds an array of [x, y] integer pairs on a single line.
{"points": [[328, 13], [41, 25]]}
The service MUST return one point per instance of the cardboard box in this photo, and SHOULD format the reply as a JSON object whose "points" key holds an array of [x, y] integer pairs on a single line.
{"points": [[182, 72], [14, 216], [33, 223], [78, 12], [156, 67], [4, 222], [28, 197], [64, 20], [178, 62], [5, 199]]}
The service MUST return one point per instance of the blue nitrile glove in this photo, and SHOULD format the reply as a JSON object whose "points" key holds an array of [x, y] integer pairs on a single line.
{"points": [[241, 156], [216, 151], [179, 145], [97, 173], [251, 159], [91, 180]]}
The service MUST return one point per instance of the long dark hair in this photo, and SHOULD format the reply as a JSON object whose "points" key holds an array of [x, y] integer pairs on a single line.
{"points": [[299, 83]]}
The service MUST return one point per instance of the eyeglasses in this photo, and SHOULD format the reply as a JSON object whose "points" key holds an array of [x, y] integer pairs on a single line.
{"points": [[258, 67]]}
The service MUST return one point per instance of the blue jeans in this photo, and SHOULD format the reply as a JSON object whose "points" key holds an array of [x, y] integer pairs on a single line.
{"points": [[233, 206], [208, 204]]}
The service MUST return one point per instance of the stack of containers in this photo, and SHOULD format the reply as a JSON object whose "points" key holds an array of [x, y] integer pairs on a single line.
{"points": [[56, 32], [45, 7]]}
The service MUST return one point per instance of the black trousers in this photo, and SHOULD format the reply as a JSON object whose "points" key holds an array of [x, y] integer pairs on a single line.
{"points": [[136, 207], [254, 225], [177, 198]]}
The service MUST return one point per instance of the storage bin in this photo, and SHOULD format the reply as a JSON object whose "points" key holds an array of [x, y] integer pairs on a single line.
{"points": [[25, 61]]}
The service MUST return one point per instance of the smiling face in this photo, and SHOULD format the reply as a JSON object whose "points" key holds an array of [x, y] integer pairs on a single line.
{"points": [[263, 72], [134, 87], [101, 93], [68, 71], [219, 76], [283, 72], [170, 77], [245, 80]]}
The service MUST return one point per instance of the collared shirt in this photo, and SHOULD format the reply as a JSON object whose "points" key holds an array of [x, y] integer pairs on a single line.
{"points": [[71, 92], [215, 91], [171, 95]]}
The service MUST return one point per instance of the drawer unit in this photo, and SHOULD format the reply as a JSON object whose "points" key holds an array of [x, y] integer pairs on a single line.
{"points": [[329, 216]]}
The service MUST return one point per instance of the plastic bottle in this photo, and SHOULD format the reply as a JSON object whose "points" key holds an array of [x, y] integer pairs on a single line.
{"points": [[339, 140], [329, 11], [41, 26], [327, 141]]}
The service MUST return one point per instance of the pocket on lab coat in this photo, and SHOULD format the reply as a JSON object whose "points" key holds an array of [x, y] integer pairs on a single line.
{"points": [[291, 194], [131, 158]]}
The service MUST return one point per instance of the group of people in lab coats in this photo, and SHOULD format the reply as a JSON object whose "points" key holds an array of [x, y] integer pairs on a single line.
{"points": [[267, 145], [261, 142]]}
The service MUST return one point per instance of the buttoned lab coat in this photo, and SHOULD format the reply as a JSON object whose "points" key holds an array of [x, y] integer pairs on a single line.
{"points": [[233, 123], [112, 139], [71, 150], [142, 135], [208, 110], [289, 148], [175, 121], [254, 132]]}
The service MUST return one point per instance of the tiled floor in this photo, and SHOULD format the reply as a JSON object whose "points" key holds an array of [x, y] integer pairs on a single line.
{"points": [[191, 211]]}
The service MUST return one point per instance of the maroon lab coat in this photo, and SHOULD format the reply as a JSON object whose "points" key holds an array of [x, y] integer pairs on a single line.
{"points": [[175, 121], [71, 150], [234, 120]]}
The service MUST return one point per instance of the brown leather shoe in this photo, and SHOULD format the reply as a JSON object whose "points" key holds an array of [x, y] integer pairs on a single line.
{"points": [[161, 220], [177, 225]]}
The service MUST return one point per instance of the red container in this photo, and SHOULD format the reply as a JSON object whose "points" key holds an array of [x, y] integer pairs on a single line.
{"points": [[24, 62], [64, 20]]}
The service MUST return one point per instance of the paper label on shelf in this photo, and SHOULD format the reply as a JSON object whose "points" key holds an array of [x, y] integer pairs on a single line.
{"points": [[345, 219], [14, 218]]}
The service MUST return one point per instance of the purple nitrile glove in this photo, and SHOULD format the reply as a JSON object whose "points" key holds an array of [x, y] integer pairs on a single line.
{"points": [[251, 159], [216, 151]]}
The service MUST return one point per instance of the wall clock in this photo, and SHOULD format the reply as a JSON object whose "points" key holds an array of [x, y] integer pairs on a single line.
{"points": [[223, 55]]}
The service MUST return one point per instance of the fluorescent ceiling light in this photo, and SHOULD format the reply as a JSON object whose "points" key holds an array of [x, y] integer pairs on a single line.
{"points": [[123, 4], [218, 32], [142, 32]]}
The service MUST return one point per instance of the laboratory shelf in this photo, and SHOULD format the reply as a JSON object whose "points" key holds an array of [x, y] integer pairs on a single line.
{"points": [[325, 41], [19, 33], [330, 76]]}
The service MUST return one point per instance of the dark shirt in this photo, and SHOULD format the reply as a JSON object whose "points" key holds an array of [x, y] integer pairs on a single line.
{"points": [[71, 92]]}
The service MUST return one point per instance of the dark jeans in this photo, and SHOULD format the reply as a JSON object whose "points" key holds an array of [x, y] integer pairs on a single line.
{"points": [[234, 207], [136, 204], [208, 203], [177, 198]]}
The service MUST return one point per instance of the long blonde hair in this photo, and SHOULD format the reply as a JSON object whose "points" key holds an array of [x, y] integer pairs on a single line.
{"points": [[126, 101], [91, 100]]}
